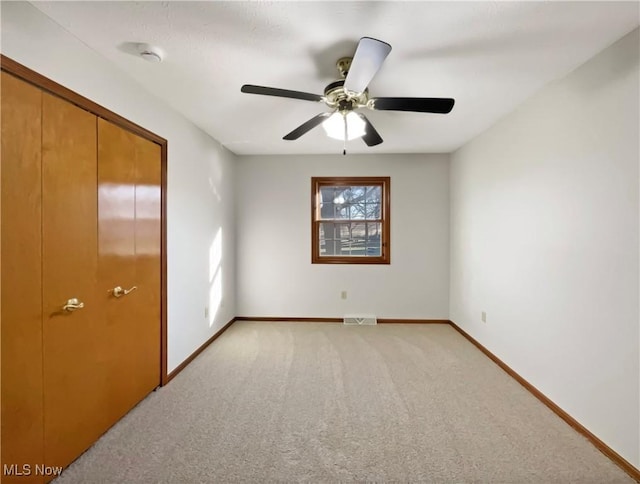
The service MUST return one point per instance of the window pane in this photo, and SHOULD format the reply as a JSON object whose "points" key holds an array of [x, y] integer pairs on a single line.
{"points": [[344, 247], [358, 202], [343, 231], [330, 210], [343, 240], [326, 194], [326, 242], [342, 211], [322, 239], [340, 195], [374, 194], [351, 203], [357, 194], [374, 237], [335, 239], [373, 211], [358, 239], [357, 211], [327, 210]]}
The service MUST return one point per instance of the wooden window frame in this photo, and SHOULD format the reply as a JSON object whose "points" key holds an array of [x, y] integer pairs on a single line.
{"points": [[385, 247]]}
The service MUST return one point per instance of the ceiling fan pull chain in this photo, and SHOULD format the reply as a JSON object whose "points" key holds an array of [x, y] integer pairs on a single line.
{"points": [[344, 149]]}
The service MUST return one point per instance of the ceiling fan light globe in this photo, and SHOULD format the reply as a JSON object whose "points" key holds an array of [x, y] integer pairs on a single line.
{"points": [[334, 126], [357, 128]]}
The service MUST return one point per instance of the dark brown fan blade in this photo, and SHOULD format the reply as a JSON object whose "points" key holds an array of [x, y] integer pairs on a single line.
{"points": [[308, 126], [272, 91], [371, 136], [416, 104]]}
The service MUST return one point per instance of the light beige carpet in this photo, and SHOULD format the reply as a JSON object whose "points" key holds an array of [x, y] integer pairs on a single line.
{"points": [[321, 402]]}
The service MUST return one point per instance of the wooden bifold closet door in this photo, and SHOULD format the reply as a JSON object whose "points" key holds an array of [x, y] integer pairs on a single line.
{"points": [[81, 277], [129, 258], [75, 352], [21, 305]]}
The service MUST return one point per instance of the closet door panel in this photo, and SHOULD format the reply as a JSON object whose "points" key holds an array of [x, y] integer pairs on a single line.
{"points": [[148, 238], [127, 233], [74, 345], [22, 413], [116, 248]]}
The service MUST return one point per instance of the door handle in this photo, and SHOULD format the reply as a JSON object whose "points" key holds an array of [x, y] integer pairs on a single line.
{"points": [[119, 292], [72, 305]]}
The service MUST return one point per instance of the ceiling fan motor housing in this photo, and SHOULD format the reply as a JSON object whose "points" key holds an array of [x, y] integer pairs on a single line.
{"points": [[337, 97]]}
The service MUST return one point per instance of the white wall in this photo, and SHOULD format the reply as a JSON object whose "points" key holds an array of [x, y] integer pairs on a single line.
{"points": [[200, 171], [544, 238], [275, 274]]}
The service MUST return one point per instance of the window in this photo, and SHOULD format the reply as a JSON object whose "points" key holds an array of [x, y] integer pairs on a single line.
{"points": [[350, 220]]}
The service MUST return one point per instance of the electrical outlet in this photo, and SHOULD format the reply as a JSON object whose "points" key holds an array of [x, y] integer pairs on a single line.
{"points": [[206, 311], [484, 317], [343, 295]]}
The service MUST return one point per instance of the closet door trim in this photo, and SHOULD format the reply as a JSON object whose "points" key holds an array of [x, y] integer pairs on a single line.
{"points": [[32, 77]]}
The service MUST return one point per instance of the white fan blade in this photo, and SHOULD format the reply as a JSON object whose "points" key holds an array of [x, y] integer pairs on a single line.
{"points": [[367, 60]]}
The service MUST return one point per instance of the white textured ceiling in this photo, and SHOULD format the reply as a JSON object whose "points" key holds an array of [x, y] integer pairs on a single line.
{"points": [[489, 56]]}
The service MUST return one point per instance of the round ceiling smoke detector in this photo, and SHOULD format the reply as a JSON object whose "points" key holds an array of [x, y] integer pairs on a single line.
{"points": [[150, 53]]}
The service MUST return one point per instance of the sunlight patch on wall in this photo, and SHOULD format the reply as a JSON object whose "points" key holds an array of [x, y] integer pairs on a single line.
{"points": [[215, 254], [214, 190], [215, 276], [215, 296]]}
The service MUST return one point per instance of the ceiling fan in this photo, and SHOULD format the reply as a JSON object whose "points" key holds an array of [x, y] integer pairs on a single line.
{"points": [[350, 93]]}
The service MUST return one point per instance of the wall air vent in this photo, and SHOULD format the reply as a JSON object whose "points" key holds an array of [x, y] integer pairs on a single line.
{"points": [[360, 319]]}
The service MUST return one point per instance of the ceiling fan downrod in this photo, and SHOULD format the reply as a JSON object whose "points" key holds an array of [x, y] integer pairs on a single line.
{"points": [[343, 65]]}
